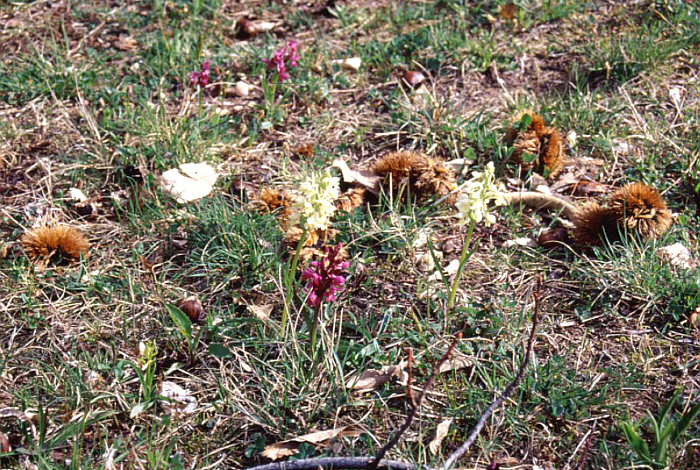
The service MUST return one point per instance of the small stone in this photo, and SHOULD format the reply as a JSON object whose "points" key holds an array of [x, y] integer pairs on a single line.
{"points": [[242, 89], [352, 63]]}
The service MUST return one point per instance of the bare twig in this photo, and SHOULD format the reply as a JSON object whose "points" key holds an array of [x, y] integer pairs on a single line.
{"points": [[409, 385], [456, 455], [414, 408], [586, 448]]}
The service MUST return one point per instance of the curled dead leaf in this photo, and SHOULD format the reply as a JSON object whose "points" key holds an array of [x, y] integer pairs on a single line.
{"points": [[291, 446], [456, 362], [371, 379], [440, 434], [366, 178]]}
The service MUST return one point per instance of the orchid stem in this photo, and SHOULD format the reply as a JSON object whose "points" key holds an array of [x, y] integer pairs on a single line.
{"points": [[314, 330], [288, 281], [466, 254]]}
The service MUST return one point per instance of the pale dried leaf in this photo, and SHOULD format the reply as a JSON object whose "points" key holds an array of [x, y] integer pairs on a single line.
{"points": [[126, 43], [694, 318], [449, 270], [425, 261], [280, 450], [520, 241], [291, 446], [11, 412], [77, 195], [365, 178], [544, 189], [262, 312], [190, 182], [440, 434], [177, 399], [456, 362], [677, 255], [108, 457], [452, 267], [242, 89], [421, 239], [459, 165], [371, 379]]}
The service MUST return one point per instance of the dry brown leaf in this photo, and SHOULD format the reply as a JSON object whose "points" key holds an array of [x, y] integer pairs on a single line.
{"points": [[694, 318], [262, 312], [456, 362], [291, 446], [440, 434], [365, 178], [126, 43], [371, 379]]}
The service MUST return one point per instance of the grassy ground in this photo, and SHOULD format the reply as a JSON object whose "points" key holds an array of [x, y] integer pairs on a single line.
{"points": [[95, 95]]}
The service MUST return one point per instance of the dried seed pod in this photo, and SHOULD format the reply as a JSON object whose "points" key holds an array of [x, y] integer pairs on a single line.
{"points": [[192, 307], [640, 209], [396, 168], [538, 147], [424, 176], [526, 149], [593, 224], [294, 233], [350, 199], [413, 78], [436, 179], [271, 199], [551, 153], [46, 243]]}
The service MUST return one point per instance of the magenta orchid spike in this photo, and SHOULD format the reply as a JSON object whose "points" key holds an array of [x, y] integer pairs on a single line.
{"points": [[285, 54], [325, 276], [201, 78]]}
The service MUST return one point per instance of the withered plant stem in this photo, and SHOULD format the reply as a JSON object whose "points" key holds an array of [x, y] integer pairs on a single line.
{"points": [[415, 405]]}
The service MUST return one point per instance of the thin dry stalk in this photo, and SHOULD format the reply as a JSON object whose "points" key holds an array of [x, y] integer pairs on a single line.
{"points": [[456, 455]]}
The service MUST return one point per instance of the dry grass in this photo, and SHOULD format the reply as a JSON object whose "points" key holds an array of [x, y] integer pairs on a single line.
{"points": [[82, 105]]}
